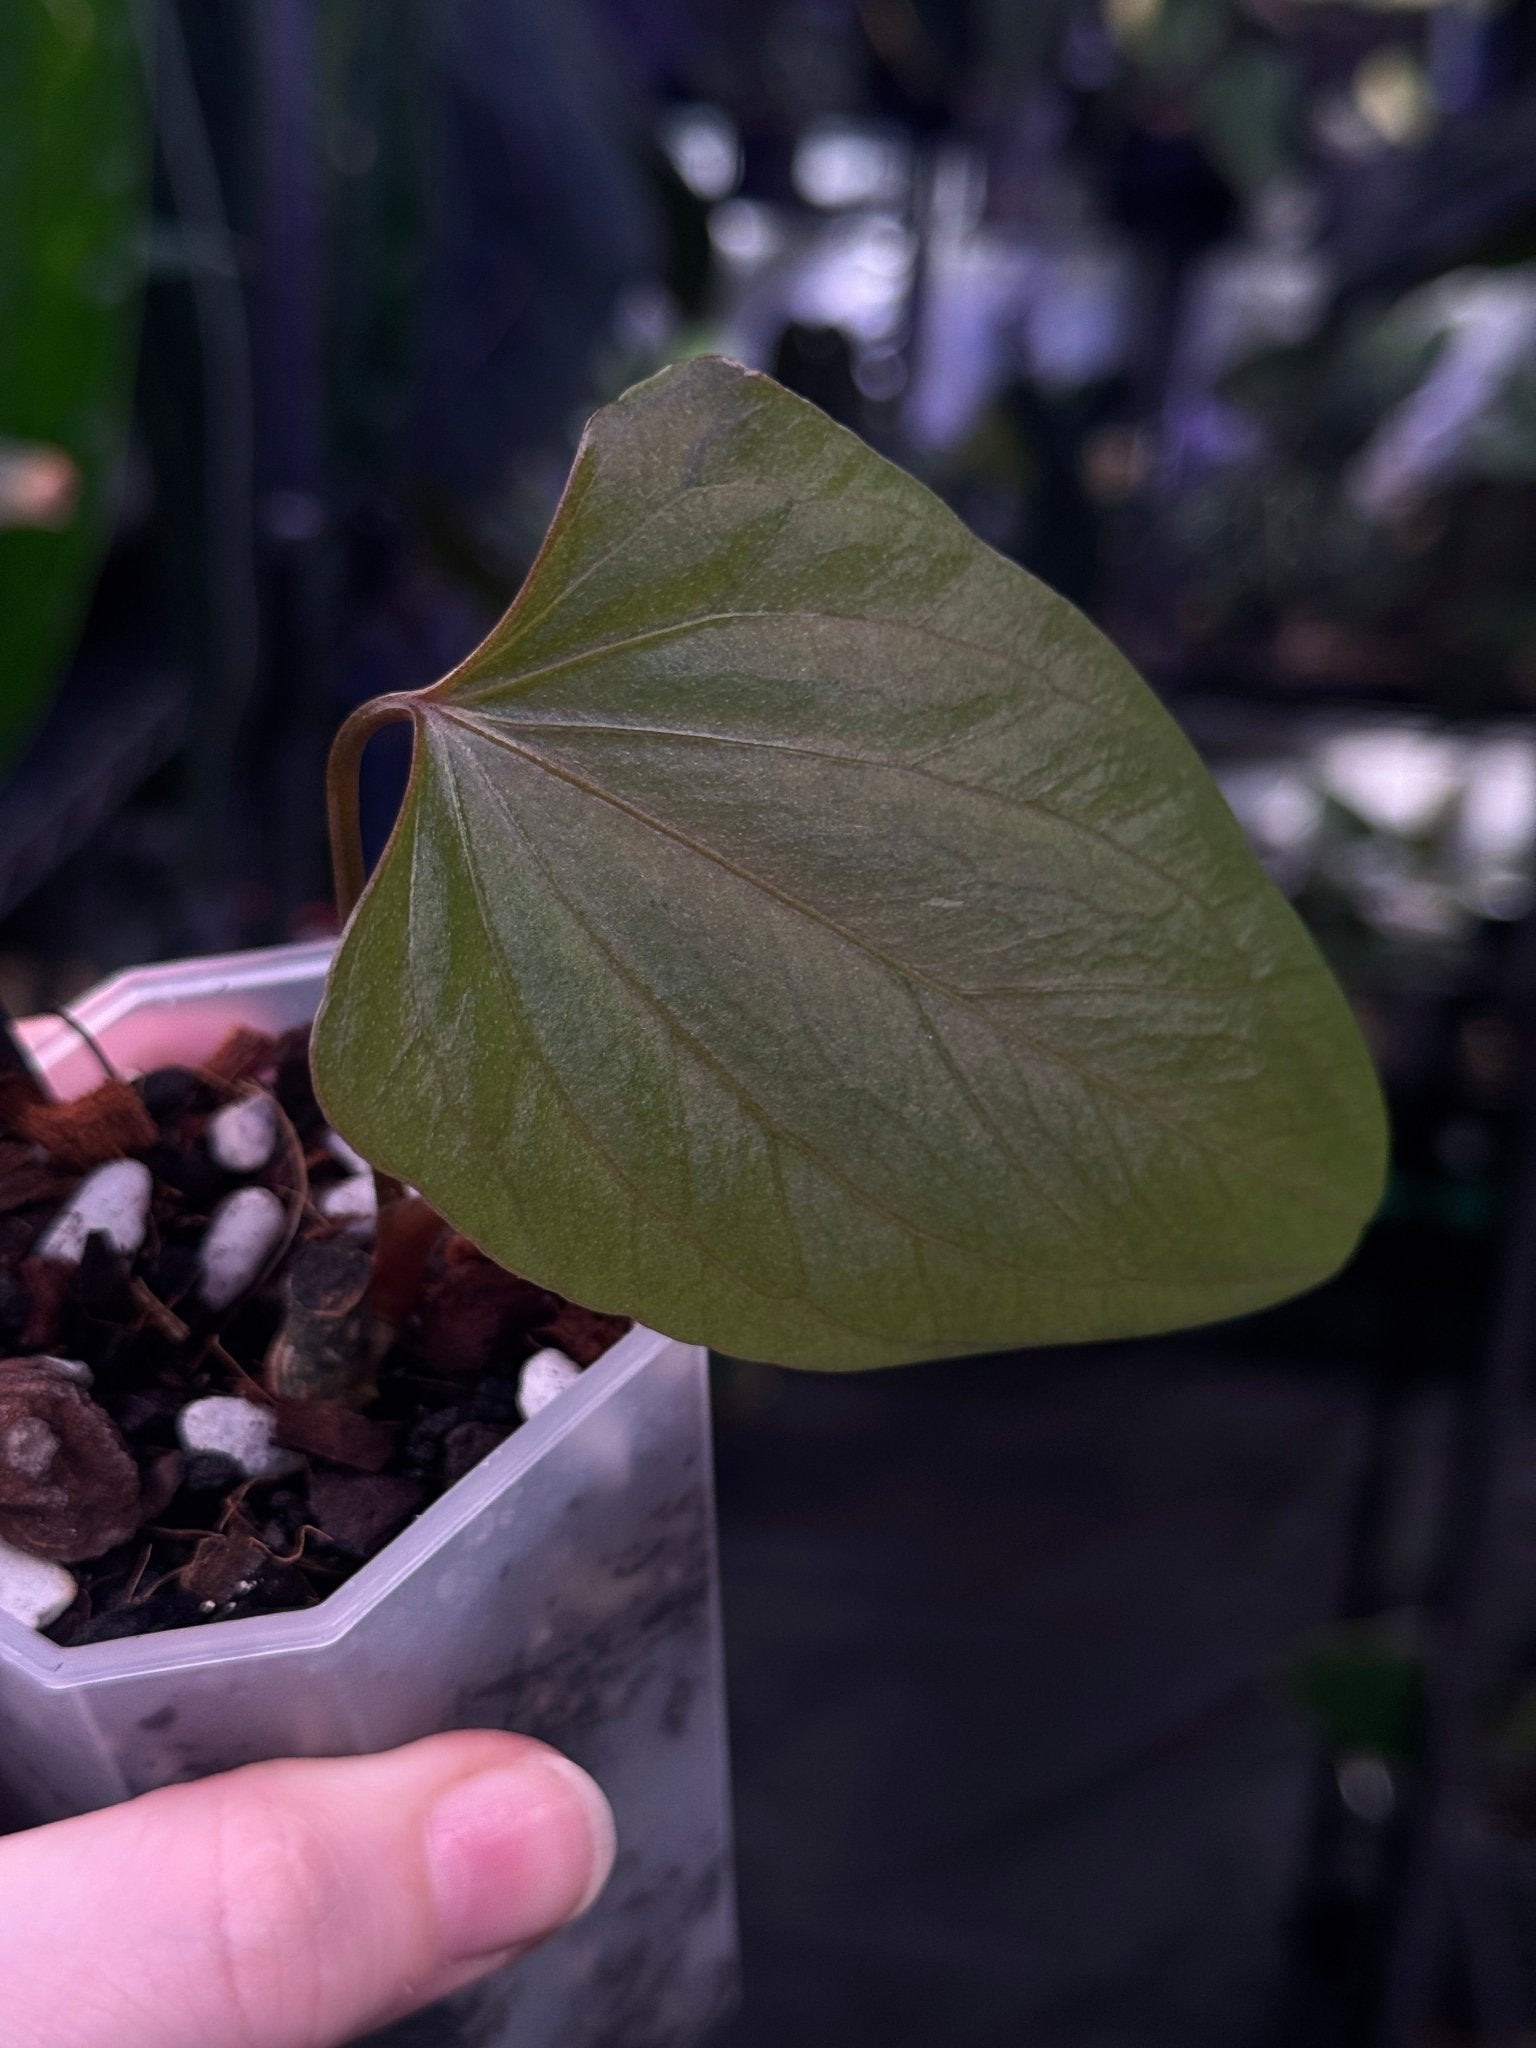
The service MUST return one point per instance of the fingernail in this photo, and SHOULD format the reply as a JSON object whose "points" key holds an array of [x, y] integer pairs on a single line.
{"points": [[516, 1853]]}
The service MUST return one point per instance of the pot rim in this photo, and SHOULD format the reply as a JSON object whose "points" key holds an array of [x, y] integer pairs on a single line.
{"points": [[310, 1628]]}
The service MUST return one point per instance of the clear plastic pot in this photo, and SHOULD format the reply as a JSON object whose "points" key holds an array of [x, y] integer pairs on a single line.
{"points": [[566, 1587]]}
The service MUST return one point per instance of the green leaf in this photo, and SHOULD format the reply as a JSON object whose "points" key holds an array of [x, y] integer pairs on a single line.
{"points": [[1250, 109], [804, 932], [74, 161]]}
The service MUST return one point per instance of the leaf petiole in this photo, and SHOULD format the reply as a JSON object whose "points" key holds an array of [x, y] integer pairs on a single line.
{"points": [[341, 792]]}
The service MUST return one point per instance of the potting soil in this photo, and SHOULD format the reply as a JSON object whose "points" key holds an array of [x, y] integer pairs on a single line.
{"points": [[383, 1349]]}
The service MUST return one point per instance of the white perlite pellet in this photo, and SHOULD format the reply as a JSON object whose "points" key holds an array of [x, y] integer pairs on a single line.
{"points": [[68, 1368], [242, 1136], [242, 1234], [237, 1430], [33, 1591], [546, 1374], [353, 1201], [114, 1200]]}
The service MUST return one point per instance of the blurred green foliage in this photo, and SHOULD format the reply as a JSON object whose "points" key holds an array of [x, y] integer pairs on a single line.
{"points": [[1364, 1686], [1390, 500], [379, 142], [74, 164], [1243, 84], [1250, 110]]}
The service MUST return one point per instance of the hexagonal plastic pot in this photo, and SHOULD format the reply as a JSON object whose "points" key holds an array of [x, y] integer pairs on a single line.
{"points": [[565, 1587]]}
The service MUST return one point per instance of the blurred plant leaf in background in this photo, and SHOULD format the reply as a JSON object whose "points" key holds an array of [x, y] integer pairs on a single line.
{"points": [[1016, 43], [1171, 39], [1459, 352], [382, 89], [74, 161]]}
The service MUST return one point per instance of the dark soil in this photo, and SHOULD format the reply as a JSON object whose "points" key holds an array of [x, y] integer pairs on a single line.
{"points": [[388, 1355]]}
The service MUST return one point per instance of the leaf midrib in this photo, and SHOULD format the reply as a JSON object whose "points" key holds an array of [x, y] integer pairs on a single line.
{"points": [[920, 771], [469, 688]]}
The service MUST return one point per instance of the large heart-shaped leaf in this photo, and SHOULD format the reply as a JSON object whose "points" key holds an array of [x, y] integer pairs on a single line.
{"points": [[806, 933]]}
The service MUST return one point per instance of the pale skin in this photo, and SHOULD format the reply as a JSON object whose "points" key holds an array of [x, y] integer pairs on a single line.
{"points": [[294, 1905]]}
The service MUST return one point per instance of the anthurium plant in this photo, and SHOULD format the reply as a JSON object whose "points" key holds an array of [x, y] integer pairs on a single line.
{"points": [[804, 932]]}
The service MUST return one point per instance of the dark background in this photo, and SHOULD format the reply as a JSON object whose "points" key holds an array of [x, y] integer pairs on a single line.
{"points": [[1178, 1695]]}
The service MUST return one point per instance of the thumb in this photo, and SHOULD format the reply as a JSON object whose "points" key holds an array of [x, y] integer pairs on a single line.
{"points": [[293, 1905]]}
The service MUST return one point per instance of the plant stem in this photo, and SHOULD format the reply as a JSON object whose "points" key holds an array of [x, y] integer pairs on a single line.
{"points": [[341, 780]]}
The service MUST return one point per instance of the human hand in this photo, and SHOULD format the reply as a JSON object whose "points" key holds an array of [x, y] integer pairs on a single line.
{"points": [[294, 1905]]}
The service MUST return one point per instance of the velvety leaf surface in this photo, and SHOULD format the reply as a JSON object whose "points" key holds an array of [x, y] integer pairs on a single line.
{"points": [[806, 933]]}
